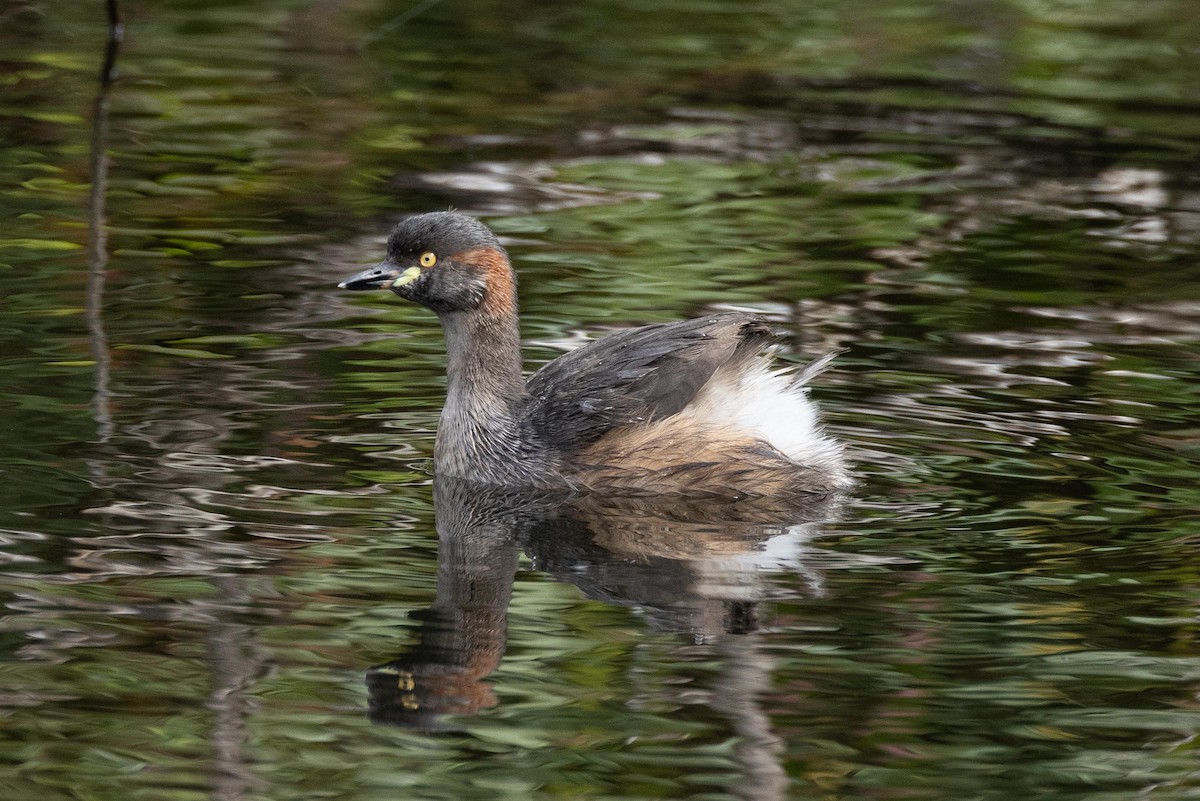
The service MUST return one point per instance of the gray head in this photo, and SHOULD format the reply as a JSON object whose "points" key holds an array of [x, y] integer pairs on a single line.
{"points": [[446, 261]]}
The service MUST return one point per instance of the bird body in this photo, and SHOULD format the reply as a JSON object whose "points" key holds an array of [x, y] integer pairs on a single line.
{"points": [[691, 407]]}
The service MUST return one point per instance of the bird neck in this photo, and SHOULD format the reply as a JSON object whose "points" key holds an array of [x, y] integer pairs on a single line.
{"points": [[483, 357], [479, 422]]}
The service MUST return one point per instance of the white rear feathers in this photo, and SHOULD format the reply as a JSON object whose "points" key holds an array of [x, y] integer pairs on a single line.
{"points": [[771, 405]]}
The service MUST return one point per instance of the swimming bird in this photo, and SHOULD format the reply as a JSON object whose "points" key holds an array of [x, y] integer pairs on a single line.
{"points": [[694, 407]]}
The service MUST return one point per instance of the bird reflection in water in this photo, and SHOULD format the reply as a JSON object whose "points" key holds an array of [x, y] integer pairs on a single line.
{"points": [[689, 566]]}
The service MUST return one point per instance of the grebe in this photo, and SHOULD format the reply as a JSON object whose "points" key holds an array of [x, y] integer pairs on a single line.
{"points": [[692, 407]]}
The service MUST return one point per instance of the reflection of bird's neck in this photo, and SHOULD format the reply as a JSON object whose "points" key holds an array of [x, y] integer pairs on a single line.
{"points": [[462, 634], [476, 566], [479, 422]]}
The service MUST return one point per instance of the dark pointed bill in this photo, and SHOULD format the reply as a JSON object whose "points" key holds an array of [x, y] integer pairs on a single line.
{"points": [[381, 276]]}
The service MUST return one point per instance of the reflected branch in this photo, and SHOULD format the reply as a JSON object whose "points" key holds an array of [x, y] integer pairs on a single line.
{"points": [[97, 228], [745, 678], [237, 662]]}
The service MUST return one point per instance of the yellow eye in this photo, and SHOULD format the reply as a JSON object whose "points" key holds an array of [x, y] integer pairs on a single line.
{"points": [[428, 259]]}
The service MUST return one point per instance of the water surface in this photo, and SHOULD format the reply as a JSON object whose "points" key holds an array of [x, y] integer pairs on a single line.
{"points": [[226, 570]]}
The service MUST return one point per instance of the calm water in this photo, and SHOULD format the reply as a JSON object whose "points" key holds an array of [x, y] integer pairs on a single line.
{"points": [[226, 571]]}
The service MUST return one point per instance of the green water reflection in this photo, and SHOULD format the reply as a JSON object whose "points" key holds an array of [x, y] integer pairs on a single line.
{"points": [[991, 205]]}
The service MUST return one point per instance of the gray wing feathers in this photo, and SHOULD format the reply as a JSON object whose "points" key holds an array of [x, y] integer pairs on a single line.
{"points": [[633, 376]]}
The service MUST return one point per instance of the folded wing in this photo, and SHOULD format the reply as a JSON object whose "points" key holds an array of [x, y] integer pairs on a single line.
{"points": [[635, 376]]}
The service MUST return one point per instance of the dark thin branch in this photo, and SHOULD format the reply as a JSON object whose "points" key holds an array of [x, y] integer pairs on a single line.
{"points": [[116, 35], [97, 228]]}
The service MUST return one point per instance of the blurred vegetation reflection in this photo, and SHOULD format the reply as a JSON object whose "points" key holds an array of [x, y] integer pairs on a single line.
{"points": [[216, 512]]}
